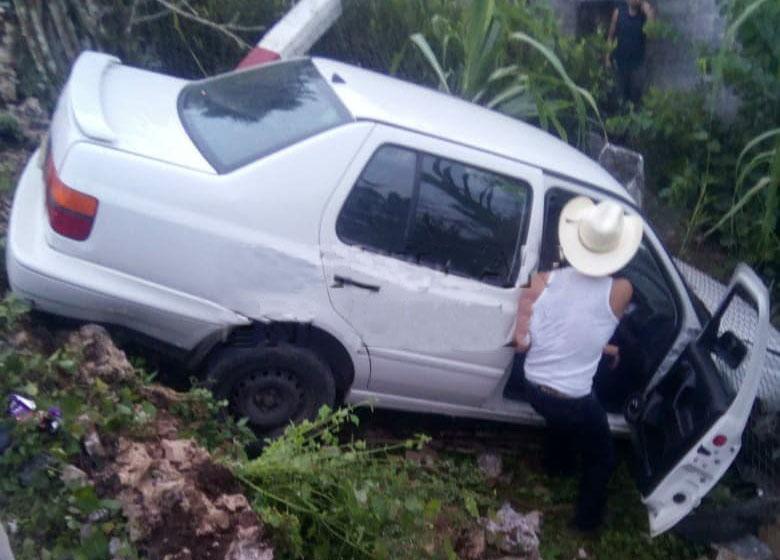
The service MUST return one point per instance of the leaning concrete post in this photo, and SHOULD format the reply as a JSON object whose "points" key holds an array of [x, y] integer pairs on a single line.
{"points": [[296, 32]]}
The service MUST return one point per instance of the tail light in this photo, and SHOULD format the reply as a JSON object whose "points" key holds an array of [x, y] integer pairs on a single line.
{"points": [[71, 213]]}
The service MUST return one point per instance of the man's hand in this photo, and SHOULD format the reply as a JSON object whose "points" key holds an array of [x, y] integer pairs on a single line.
{"points": [[614, 353], [525, 309]]}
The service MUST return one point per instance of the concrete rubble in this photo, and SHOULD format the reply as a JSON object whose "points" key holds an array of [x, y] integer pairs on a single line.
{"points": [[515, 533], [180, 504], [490, 465], [100, 358], [746, 548]]}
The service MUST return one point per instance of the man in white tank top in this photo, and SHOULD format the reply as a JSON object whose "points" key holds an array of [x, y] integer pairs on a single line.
{"points": [[565, 320]]}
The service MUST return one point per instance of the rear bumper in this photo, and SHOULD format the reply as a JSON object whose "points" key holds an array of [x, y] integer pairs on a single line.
{"points": [[65, 285]]}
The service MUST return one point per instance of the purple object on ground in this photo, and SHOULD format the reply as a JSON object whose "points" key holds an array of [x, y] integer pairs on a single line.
{"points": [[19, 406]]}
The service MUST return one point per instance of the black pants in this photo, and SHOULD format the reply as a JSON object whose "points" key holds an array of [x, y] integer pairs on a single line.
{"points": [[578, 427], [628, 82]]}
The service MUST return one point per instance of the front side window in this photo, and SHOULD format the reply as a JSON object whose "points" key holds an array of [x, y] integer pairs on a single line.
{"points": [[439, 213], [240, 117]]}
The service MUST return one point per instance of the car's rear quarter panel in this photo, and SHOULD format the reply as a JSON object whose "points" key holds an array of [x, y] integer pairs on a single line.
{"points": [[248, 240]]}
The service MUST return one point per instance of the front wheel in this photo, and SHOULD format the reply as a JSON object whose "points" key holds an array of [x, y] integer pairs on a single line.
{"points": [[272, 386]]}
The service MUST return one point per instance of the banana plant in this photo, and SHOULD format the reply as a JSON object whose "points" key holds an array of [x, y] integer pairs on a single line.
{"points": [[469, 63], [468, 54]]}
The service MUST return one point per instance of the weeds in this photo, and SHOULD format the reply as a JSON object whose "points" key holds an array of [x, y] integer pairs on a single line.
{"points": [[328, 499]]}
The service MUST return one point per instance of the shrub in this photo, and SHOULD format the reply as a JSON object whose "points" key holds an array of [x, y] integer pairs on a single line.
{"points": [[328, 499], [10, 131]]}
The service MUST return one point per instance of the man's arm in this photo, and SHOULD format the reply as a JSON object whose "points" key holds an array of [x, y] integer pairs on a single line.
{"points": [[613, 26], [524, 310], [648, 10], [620, 296], [611, 36]]}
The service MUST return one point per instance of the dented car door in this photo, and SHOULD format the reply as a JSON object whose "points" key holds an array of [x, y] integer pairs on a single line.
{"points": [[424, 250]]}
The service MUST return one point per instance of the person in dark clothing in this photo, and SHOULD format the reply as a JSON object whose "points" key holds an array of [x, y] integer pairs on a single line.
{"points": [[627, 28]]}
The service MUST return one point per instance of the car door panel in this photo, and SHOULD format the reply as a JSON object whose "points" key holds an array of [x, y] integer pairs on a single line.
{"points": [[430, 333], [690, 427]]}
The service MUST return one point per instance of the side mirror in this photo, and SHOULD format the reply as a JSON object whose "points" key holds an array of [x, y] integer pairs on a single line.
{"points": [[729, 348]]}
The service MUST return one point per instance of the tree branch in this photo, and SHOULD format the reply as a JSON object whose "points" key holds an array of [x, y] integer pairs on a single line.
{"points": [[225, 30]]}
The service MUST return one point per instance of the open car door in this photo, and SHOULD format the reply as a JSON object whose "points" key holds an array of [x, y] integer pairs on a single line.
{"points": [[689, 426]]}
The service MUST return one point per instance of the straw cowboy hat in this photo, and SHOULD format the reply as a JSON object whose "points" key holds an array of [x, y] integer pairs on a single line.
{"points": [[598, 239]]}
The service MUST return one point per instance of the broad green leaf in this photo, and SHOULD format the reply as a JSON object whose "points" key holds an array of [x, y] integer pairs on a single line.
{"points": [[503, 72], [731, 32], [756, 141], [471, 506], [506, 94], [753, 191], [577, 92], [422, 43], [756, 161]]}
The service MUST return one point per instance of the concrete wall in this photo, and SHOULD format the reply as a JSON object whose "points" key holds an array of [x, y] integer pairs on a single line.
{"points": [[671, 63]]}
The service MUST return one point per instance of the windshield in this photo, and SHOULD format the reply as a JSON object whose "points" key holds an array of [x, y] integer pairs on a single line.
{"points": [[243, 116]]}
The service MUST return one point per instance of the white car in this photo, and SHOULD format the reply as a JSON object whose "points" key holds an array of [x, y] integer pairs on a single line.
{"points": [[308, 232]]}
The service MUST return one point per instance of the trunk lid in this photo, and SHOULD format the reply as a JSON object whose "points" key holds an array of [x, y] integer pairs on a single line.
{"points": [[128, 109]]}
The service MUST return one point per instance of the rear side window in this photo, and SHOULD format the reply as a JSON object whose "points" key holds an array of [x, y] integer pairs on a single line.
{"points": [[241, 117], [438, 213], [376, 213]]}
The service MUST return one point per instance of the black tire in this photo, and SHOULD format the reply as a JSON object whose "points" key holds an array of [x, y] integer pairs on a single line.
{"points": [[271, 386]]}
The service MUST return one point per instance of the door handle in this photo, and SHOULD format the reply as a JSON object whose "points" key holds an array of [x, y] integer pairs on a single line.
{"points": [[341, 281]]}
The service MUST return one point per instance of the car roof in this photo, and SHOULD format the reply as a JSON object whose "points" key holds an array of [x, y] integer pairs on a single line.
{"points": [[377, 97]]}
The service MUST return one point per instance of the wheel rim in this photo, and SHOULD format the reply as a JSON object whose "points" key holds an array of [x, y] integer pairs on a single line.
{"points": [[268, 397]]}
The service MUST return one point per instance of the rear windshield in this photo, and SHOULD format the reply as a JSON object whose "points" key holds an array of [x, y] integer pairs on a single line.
{"points": [[241, 117]]}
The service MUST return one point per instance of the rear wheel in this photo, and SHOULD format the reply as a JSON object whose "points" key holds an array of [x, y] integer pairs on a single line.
{"points": [[272, 386]]}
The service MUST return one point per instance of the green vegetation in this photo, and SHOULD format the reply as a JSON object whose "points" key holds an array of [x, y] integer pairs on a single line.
{"points": [[724, 171], [483, 54], [331, 499], [10, 131]]}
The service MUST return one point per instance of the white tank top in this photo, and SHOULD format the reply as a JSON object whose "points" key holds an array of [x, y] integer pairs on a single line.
{"points": [[571, 322]]}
